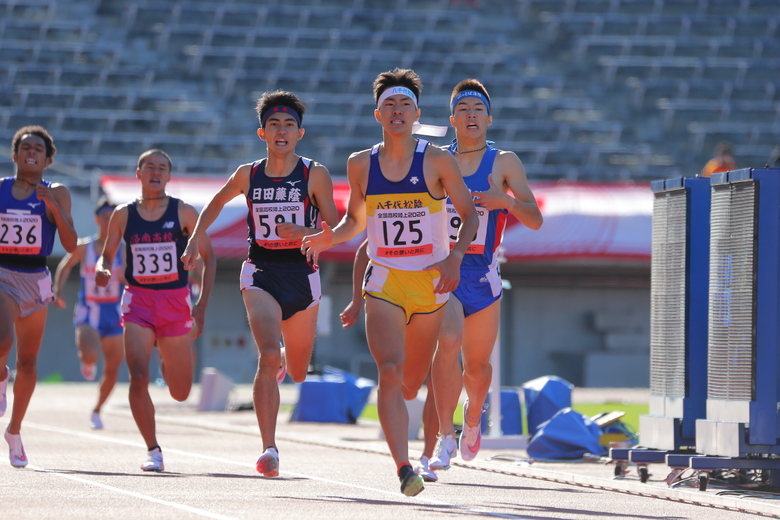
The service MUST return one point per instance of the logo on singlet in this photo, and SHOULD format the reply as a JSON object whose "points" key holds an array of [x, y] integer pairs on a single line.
{"points": [[168, 225], [414, 180], [34, 205]]}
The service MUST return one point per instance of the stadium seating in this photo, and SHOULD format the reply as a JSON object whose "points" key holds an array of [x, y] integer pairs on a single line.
{"points": [[582, 89]]}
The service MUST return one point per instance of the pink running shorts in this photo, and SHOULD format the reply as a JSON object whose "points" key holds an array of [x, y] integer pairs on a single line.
{"points": [[168, 312]]}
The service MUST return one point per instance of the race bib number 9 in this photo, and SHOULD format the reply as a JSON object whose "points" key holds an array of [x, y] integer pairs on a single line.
{"points": [[20, 234], [154, 263], [268, 216], [404, 232], [477, 245]]}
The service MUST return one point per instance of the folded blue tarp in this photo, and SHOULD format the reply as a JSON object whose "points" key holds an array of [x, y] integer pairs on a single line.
{"points": [[544, 396], [568, 435]]}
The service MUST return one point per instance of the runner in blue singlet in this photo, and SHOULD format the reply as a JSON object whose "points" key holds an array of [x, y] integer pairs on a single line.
{"points": [[96, 315], [32, 210], [470, 324]]}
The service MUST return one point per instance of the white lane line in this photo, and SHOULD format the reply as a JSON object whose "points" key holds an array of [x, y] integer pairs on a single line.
{"points": [[394, 494], [189, 509]]}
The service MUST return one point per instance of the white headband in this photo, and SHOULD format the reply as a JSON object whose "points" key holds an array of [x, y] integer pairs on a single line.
{"points": [[417, 127], [392, 91]]}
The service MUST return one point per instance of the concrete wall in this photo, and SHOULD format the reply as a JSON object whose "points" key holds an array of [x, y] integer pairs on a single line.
{"points": [[561, 330]]}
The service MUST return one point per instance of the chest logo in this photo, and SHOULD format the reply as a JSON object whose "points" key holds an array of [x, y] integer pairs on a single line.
{"points": [[168, 225]]}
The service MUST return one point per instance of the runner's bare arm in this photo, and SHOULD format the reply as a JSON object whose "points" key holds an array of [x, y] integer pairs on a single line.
{"points": [[321, 193], [66, 265], [188, 216], [351, 312], [448, 174], [509, 174], [58, 206], [237, 184], [354, 221], [116, 229]]}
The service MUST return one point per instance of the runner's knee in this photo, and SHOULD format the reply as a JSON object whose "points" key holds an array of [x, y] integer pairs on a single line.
{"points": [[180, 392], [389, 373], [449, 343], [269, 359]]}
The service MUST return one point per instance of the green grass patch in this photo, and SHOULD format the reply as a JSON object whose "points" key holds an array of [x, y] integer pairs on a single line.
{"points": [[631, 419], [54, 377], [370, 413]]}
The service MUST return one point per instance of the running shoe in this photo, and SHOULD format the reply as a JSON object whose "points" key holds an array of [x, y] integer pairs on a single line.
{"points": [[88, 371], [268, 463], [411, 482], [470, 437], [154, 462], [15, 450], [3, 387], [94, 422], [446, 448], [424, 471]]}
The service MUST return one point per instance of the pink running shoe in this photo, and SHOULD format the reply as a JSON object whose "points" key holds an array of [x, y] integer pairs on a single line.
{"points": [[470, 437], [268, 463], [88, 371]]}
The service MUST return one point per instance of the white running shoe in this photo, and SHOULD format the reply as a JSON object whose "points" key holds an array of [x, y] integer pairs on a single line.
{"points": [[446, 448], [15, 450], [154, 462], [94, 422], [88, 371], [268, 463], [3, 387], [424, 471], [470, 437]]}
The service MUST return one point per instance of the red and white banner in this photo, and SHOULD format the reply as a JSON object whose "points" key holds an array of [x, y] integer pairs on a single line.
{"points": [[582, 222]]}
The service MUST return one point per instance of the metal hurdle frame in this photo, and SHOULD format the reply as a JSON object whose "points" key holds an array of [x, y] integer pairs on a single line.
{"points": [[678, 369], [741, 433]]}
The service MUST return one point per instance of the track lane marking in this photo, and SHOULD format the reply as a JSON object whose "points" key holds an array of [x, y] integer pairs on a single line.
{"points": [[175, 505], [103, 438]]}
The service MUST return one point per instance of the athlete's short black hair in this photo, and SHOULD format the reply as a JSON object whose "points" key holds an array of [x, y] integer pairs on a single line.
{"points": [[397, 78], [469, 84], [34, 130], [278, 98], [154, 151]]}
